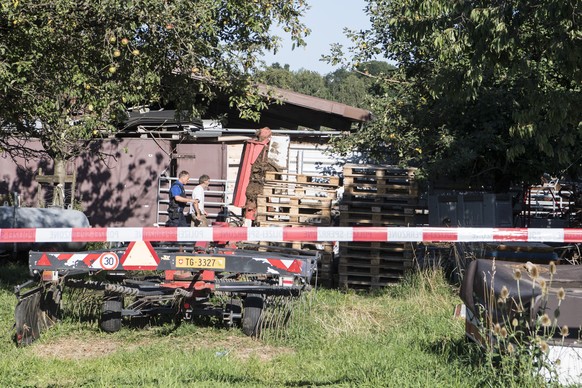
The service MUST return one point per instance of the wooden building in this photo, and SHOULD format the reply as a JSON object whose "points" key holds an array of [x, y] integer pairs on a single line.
{"points": [[121, 181]]}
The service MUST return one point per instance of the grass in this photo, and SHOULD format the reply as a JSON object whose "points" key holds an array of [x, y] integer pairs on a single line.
{"points": [[404, 336]]}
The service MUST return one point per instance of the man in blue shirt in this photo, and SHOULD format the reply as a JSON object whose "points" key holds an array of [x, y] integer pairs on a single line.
{"points": [[178, 200]]}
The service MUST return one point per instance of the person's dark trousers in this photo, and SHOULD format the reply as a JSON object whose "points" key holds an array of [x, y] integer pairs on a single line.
{"points": [[179, 222]]}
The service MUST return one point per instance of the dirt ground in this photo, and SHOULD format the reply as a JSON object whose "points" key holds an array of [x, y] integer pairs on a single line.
{"points": [[242, 348]]}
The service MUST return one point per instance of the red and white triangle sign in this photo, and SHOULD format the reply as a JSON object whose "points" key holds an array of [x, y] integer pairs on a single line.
{"points": [[140, 255]]}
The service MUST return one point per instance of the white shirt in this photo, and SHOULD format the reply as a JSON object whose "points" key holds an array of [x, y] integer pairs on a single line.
{"points": [[197, 194]]}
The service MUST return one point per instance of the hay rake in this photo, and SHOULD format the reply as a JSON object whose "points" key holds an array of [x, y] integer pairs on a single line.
{"points": [[256, 291]]}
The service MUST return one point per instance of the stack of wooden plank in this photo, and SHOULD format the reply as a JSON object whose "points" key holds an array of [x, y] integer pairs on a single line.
{"points": [[376, 195], [298, 200]]}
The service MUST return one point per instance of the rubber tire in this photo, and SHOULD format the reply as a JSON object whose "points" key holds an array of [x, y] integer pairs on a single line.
{"points": [[111, 315], [253, 309]]}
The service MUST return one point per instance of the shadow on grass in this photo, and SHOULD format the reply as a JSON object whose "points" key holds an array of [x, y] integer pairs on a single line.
{"points": [[12, 274]]}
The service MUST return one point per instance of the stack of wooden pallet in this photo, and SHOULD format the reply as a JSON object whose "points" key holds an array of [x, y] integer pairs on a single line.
{"points": [[376, 196], [300, 200], [296, 200]]}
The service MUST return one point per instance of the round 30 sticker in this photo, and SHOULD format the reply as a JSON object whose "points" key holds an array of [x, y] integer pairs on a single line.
{"points": [[108, 261]]}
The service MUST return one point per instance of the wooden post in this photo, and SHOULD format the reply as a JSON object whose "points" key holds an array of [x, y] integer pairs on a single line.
{"points": [[58, 182]]}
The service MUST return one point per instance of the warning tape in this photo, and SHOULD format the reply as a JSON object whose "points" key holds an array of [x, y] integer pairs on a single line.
{"points": [[308, 233]]}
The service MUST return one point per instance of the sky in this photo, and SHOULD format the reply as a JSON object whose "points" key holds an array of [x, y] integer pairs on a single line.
{"points": [[327, 20]]}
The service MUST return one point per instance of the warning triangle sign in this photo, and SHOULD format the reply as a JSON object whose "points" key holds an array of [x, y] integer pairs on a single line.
{"points": [[140, 255], [44, 261]]}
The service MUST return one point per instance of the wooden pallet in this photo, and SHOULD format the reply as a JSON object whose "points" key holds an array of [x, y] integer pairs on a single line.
{"points": [[378, 171], [294, 210], [398, 183], [298, 191], [376, 249], [379, 188], [396, 201], [373, 259], [266, 219], [380, 184], [382, 245], [377, 259], [294, 202], [359, 281], [389, 268], [376, 207], [303, 218], [376, 219], [313, 180], [285, 222]]}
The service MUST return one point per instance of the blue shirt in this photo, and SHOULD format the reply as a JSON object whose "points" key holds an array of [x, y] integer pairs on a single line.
{"points": [[177, 189]]}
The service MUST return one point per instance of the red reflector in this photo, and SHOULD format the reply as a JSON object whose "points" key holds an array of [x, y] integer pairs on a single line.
{"points": [[44, 261]]}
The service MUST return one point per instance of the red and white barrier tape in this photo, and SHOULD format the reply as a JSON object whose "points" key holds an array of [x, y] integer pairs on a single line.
{"points": [[315, 233]]}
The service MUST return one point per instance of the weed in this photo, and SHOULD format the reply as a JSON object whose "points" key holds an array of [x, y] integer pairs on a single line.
{"points": [[518, 321]]}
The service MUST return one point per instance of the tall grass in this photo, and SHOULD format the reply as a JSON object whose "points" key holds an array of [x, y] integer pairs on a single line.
{"points": [[403, 336]]}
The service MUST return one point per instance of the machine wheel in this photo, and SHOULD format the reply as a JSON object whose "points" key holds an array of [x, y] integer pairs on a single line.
{"points": [[36, 311], [111, 314], [251, 319]]}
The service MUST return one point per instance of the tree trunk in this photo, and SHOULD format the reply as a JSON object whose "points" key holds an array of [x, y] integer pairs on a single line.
{"points": [[60, 174]]}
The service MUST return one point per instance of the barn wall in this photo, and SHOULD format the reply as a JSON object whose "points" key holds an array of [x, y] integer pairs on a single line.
{"points": [[117, 179], [120, 188], [18, 176]]}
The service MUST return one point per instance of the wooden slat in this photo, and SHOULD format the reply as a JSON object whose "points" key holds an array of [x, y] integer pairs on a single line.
{"points": [[312, 180], [376, 219], [297, 190], [359, 281], [361, 170]]}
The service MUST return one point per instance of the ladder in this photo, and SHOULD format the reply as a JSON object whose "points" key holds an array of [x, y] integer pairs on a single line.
{"points": [[218, 197]]}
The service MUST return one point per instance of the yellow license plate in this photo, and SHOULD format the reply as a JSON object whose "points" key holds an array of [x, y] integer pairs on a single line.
{"points": [[200, 262]]}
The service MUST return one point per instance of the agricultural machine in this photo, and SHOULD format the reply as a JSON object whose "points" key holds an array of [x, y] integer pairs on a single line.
{"points": [[253, 287], [241, 287]]}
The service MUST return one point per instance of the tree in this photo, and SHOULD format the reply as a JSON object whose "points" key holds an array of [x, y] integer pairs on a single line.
{"points": [[69, 69], [345, 86], [278, 76], [489, 91], [311, 83]]}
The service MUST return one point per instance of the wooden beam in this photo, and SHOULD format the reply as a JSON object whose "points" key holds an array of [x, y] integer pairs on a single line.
{"points": [[53, 179]]}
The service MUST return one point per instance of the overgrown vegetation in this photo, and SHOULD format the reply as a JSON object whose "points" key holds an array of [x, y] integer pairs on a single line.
{"points": [[70, 70], [516, 335], [402, 336], [485, 92]]}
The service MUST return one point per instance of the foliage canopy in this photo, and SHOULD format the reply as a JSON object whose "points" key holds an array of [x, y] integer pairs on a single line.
{"points": [[74, 67], [484, 91], [350, 87]]}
